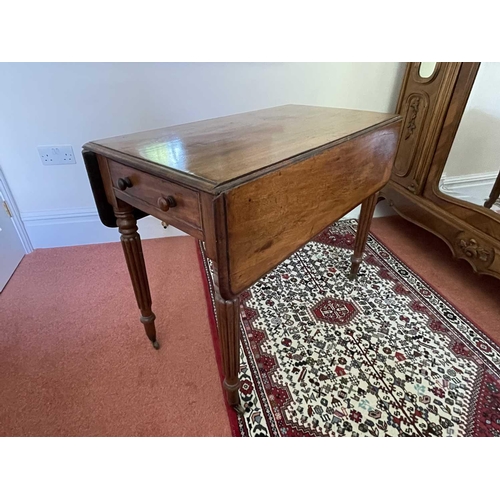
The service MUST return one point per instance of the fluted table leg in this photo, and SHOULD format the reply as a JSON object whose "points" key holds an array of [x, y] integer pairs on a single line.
{"points": [[132, 248], [365, 219], [228, 322]]}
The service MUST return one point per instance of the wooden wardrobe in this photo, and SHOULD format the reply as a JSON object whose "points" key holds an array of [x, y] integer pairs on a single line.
{"points": [[432, 107]]}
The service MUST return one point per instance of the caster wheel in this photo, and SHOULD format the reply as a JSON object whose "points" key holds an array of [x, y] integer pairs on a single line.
{"points": [[239, 409], [156, 345]]}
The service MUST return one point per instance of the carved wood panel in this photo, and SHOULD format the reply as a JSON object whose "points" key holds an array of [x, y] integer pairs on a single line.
{"points": [[415, 111], [422, 102]]}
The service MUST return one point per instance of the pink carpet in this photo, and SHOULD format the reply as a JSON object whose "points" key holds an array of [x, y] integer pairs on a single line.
{"points": [[74, 358], [75, 361]]}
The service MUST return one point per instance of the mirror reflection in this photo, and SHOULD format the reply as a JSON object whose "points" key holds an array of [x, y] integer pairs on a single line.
{"points": [[472, 171], [426, 69]]}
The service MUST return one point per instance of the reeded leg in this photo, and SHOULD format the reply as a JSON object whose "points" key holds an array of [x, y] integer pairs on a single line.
{"points": [[365, 219], [132, 248], [228, 320], [495, 193]]}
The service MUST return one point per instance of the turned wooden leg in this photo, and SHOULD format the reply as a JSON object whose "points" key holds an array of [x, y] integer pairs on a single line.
{"points": [[132, 248], [495, 193], [228, 321], [365, 219]]}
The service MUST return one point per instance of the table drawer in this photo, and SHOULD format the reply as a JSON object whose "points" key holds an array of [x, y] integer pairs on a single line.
{"points": [[166, 200]]}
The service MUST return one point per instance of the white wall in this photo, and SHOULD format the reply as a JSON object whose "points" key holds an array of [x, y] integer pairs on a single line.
{"points": [[476, 148], [73, 103]]}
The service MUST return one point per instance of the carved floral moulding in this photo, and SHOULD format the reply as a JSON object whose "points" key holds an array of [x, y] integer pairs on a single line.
{"points": [[472, 250], [413, 109], [416, 107]]}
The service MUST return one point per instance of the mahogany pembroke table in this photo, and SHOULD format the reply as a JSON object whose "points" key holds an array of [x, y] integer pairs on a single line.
{"points": [[254, 187]]}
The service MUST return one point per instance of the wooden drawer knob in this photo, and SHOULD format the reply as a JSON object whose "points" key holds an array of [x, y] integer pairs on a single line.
{"points": [[166, 203], [124, 183]]}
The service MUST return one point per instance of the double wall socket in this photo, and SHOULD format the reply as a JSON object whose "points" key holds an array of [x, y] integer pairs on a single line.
{"points": [[56, 155]]}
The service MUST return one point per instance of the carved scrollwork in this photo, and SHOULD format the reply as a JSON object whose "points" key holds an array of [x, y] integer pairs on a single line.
{"points": [[413, 112], [473, 250]]}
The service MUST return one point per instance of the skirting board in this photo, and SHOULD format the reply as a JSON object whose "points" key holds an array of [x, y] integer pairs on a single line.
{"points": [[471, 187], [62, 228], [461, 182]]}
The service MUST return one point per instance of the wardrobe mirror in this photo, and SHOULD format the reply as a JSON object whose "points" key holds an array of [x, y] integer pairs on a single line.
{"points": [[472, 170], [426, 69]]}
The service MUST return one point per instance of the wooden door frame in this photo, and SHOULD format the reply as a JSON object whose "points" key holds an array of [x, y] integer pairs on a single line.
{"points": [[6, 193]]}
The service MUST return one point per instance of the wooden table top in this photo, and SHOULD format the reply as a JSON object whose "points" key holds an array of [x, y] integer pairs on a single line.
{"points": [[234, 148]]}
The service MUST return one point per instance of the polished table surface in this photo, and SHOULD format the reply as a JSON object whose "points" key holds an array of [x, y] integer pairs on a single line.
{"points": [[255, 187], [217, 151]]}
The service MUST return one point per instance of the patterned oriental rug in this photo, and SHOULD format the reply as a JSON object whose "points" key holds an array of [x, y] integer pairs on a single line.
{"points": [[385, 355]]}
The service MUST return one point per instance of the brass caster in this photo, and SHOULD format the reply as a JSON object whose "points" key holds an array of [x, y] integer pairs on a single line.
{"points": [[239, 409], [156, 345]]}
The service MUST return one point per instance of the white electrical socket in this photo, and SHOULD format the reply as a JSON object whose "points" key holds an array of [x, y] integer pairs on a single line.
{"points": [[56, 155]]}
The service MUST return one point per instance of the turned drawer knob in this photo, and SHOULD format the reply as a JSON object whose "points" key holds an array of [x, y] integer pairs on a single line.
{"points": [[166, 203], [124, 183]]}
